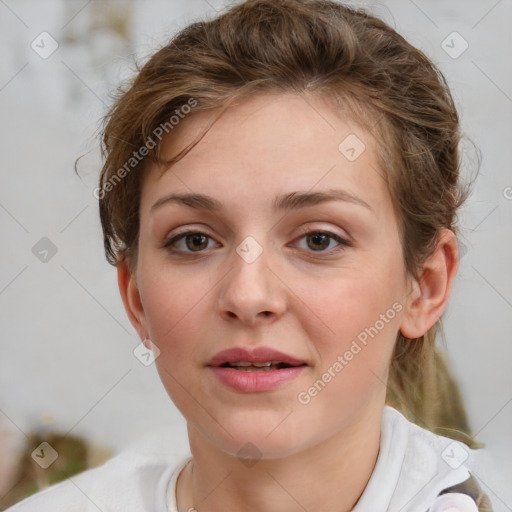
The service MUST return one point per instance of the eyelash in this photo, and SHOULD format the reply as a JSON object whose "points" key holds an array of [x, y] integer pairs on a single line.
{"points": [[341, 241]]}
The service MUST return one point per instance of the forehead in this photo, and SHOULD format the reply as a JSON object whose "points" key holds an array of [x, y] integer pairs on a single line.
{"points": [[268, 144]]}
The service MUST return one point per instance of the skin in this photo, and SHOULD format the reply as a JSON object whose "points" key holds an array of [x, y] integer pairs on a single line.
{"points": [[302, 298]]}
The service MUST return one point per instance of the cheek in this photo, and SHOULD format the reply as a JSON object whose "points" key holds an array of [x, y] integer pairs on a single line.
{"points": [[171, 305], [176, 312], [361, 321], [346, 306], [358, 321]]}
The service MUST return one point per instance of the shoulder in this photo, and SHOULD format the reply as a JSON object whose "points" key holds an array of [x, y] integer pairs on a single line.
{"points": [[131, 481], [424, 449], [415, 466]]}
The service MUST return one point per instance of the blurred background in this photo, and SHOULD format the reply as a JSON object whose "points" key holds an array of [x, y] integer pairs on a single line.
{"points": [[68, 372]]}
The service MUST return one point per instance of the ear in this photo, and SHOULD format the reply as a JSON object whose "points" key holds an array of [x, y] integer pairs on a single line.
{"points": [[131, 298], [428, 299]]}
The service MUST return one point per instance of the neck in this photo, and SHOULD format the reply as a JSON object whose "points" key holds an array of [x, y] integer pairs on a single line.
{"points": [[330, 476]]}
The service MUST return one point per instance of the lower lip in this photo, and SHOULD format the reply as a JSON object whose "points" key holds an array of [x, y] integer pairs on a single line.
{"points": [[256, 381]]}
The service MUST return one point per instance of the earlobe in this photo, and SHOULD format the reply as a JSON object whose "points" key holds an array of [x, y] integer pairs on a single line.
{"points": [[131, 298], [429, 297]]}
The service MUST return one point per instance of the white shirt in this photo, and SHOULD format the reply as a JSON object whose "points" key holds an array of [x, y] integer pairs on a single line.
{"points": [[413, 466]]}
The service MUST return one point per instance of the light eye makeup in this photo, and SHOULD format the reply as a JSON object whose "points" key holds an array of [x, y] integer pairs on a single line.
{"points": [[317, 241]]}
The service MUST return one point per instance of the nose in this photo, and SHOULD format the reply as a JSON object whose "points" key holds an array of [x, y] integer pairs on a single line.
{"points": [[251, 292]]}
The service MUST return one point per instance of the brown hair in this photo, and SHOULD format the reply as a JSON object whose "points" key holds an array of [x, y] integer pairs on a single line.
{"points": [[361, 65]]}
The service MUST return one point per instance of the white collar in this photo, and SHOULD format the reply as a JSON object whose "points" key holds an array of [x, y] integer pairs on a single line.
{"points": [[409, 473]]}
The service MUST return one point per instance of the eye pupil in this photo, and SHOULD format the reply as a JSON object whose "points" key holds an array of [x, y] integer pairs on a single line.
{"points": [[319, 238], [198, 239]]}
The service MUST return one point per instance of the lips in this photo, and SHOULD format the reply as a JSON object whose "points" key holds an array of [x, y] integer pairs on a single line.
{"points": [[256, 359], [255, 370]]}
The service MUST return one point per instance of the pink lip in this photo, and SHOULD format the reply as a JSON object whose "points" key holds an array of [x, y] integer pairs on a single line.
{"points": [[255, 355], [255, 381]]}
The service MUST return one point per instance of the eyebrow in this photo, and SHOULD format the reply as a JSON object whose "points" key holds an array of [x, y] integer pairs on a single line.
{"points": [[285, 202]]}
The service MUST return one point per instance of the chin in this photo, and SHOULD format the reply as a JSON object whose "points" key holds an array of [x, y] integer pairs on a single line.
{"points": [[262, 436]]}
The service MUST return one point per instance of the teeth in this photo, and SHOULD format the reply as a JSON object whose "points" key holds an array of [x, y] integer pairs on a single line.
{"points": [[254, 368], [246, 363], [247, 366]]}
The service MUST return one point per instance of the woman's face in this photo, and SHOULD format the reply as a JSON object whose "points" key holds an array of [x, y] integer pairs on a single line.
{"points": [[267, 269]]}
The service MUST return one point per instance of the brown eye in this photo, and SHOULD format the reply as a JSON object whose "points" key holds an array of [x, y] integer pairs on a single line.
{"points": [[188, 242], [196, 241], [318, 241]]}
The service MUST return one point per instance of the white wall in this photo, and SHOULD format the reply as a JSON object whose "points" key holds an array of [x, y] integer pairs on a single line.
{"points": [[66, 344]]}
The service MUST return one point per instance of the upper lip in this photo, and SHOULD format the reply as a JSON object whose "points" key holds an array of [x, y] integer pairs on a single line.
{"points": [[252, 355]]}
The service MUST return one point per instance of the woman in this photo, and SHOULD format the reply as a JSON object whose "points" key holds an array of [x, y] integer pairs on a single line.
{"points": [[279, 198]]}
